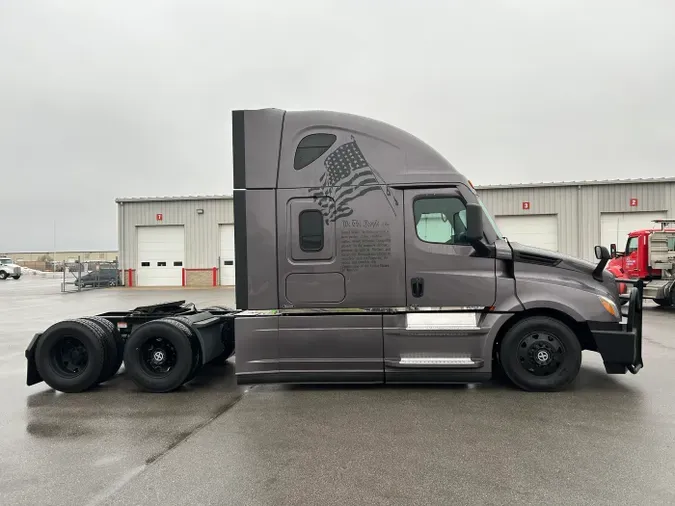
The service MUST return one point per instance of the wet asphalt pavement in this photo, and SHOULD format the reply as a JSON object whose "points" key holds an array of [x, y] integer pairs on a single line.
{"points": [[609, 439]]}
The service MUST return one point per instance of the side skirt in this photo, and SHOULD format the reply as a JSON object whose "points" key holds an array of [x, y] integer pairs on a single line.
{"points": [[394, 376], [310, 377]]}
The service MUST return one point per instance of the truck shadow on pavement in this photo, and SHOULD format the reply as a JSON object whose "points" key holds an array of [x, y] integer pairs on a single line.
{"points": [[52, 414], [120, 391]]}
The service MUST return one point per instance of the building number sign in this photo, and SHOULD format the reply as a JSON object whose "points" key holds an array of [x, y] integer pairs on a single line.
{"points": [[633, 202], [526, 205], [159, 216]]}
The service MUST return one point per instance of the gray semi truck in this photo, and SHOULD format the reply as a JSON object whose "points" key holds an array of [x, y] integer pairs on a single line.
{"points": [[361, 256]]}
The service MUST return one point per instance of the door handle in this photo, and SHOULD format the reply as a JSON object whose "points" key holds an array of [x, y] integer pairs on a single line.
{"points": [[417, 287]]}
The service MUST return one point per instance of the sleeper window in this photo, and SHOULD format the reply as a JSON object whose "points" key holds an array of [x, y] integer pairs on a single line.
{"points": [[440, 220], [311, 148], [311, 230]]}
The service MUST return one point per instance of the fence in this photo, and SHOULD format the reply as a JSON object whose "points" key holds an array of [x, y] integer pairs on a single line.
{"points": [[78, 276]]}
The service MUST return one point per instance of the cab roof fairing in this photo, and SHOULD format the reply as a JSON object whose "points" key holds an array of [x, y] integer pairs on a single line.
{"points": [[267, 138]]}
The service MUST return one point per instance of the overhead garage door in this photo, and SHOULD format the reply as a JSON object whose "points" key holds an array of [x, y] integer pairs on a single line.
{"points": [[161, 256], [227, 254], [614, 227], [538, 230]]}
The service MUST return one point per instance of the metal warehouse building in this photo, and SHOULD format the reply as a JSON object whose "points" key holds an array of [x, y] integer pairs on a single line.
{"points": [[572, 217], [189, 241], [176, 241]]}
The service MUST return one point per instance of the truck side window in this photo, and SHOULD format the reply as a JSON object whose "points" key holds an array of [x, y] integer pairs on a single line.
{"points": [[631, 245], [311, 230], [440, 220], [311, 148]]}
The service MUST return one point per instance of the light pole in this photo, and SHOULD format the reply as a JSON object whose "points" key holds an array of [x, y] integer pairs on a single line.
{"points": [[54, 259]]}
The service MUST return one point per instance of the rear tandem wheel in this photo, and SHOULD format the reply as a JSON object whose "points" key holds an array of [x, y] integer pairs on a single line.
{"points": [[115, 345], [159, 355], [71, 355]]}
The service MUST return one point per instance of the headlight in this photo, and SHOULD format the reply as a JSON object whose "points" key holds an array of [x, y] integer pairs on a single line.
{"points": [[610, 306]]}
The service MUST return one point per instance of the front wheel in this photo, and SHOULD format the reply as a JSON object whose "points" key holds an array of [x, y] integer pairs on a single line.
{"points": [[668, 301], [540, 353], [3, 275], [17, 276]]}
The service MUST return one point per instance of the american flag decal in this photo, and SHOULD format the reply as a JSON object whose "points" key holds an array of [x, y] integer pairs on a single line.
{"points": [[348, 176]]}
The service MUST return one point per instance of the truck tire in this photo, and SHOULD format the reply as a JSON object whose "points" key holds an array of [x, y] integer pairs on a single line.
{"points": [[16, 276], [227, 338], [3, 275], [115, 346], [196, 348], [158, 355], [669, 301], [70, 355], [541, 354], [229, 350]]}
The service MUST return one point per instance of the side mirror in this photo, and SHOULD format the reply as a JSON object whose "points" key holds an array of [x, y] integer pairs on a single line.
{"points": [[601, 253], [474, 228], [612, 250], [474, 222]]}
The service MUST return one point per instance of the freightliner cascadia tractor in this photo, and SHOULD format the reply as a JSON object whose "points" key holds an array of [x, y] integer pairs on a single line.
{"points": [[361, 256]]}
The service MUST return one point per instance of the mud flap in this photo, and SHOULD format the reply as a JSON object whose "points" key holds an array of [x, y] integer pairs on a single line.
{"points": [[32, 375]]}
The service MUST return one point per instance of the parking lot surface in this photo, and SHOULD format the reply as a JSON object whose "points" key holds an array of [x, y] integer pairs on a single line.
{"points": [[608, 439]]}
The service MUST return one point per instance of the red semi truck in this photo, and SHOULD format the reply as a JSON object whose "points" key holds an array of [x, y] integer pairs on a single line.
{"points": [[649, 255]]}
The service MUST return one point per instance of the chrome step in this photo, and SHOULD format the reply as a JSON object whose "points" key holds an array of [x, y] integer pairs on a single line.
{"points": [[442, 321], [430, 361]]}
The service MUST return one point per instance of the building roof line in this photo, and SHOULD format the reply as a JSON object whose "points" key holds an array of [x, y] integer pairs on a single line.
{"points": [[173, 198], [590, 182]]}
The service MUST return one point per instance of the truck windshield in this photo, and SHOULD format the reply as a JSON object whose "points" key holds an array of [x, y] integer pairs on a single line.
{"points": [[5, 261], [489, 217]]}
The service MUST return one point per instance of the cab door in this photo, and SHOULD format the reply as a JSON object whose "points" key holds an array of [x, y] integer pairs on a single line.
{"points": [[442, 268], [439, 336], [630, 259]]}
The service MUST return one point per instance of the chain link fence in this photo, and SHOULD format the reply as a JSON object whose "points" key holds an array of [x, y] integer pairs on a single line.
{"points": [[79, 276]]}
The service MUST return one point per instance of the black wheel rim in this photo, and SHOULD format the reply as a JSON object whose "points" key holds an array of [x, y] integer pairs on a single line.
{"points": [[158, 356], [69, 357], [541, 353]]}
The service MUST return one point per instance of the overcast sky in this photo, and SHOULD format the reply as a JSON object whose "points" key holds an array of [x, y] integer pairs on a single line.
{"points": [[103, 99]]}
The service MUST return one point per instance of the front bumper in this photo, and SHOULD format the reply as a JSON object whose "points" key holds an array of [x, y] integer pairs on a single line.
{"points": [[620, 343]]}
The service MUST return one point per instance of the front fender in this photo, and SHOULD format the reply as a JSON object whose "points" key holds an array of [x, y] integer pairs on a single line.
{"points": [[580, 304]]}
